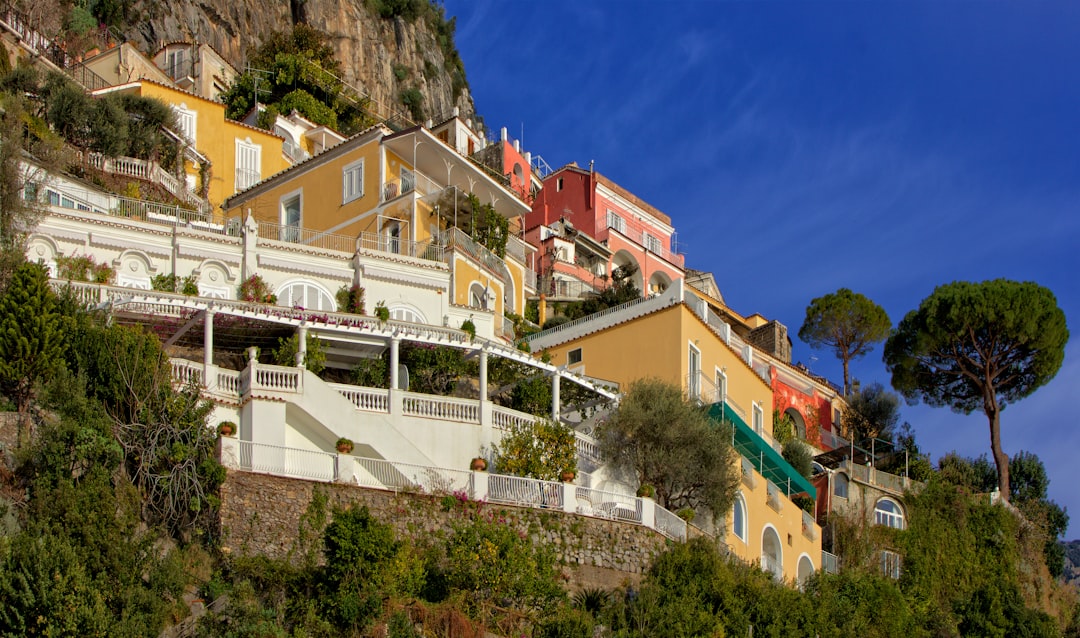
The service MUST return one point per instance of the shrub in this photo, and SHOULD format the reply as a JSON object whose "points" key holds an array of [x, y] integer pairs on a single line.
{"points": [[351, 299], [314, 358], [541, 449], [84, 268], [254, 289]]}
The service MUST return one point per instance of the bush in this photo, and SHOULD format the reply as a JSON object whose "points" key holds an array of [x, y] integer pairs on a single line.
{"points": [[351, 299], [254, 289], [83, 268]]}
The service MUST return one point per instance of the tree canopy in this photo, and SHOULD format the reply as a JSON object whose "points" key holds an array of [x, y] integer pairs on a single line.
{"points": [[847, 322], [979, 346], [666, 441], [872, 412]]}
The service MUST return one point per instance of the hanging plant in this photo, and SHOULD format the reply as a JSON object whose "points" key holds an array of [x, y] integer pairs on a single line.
{"points": [[382, 312]]}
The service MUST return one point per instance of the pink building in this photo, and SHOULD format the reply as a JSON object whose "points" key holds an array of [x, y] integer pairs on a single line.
{"points": [[585, 226]]}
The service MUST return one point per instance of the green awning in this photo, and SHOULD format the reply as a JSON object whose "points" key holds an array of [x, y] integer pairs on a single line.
{"points": [[767, 461]]}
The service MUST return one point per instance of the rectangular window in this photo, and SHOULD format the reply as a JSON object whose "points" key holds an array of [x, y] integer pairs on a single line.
{"points": [[185, 122], [248, 164], [693, 373], [721, 386], [558, 184], [652, 244], [616, 222], [352, 182], [291, 214], [573, 357], [890, 564], [759, 419]]}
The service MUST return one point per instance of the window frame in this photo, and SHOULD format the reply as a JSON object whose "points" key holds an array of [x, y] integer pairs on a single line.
{"points": [[247, 145], [740, 503], [290, 232], [614, 221], [758, 418], [893, 519], [573, 357], [351, 191], [841, 479]]}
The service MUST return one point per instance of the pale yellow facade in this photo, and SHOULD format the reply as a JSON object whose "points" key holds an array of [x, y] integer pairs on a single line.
{"points": [[239, 155], [380, 188], [662, 344]]}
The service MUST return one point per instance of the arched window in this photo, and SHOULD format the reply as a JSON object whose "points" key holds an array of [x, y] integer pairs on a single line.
{"points": [[306, 295], [840, 486], [888, 512], [738, 517], [772, 553], [403, 313], [478, 296]]}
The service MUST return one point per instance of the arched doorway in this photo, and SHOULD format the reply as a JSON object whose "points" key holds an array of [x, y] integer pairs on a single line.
{"points": [[800, 423], [806, 570]]}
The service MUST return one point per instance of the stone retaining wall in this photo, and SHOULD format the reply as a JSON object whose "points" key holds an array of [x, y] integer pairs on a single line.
{"points": [[262, 515]]}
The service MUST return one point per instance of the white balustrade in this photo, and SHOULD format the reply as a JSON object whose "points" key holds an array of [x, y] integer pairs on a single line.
{"points": [[587, 447], [444, 408], [277, 378], [507, 419], [365, 399], [185, 372], [391, 475]]}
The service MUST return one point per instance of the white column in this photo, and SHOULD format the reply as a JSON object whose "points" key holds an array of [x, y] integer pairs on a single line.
{"points": [[555, 397], [301, 349], [208, 345], [392, 395], [483, 375]]}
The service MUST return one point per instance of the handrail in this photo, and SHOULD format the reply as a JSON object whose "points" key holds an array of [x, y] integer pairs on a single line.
{"points": [[307, 237], [454, 237], [660, 301]]}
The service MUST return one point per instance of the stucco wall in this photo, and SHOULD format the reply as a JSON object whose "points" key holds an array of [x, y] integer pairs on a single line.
{"points": [[261, 514]]}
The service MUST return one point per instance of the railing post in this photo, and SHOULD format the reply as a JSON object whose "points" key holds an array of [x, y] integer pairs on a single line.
{"points": [[569, 497], [344, 468], [648, 512], [479, 483], [301, 349], [229, 451]]}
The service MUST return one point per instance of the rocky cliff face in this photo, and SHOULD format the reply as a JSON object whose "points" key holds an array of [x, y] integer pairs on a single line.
{"points": [[380, 57]]}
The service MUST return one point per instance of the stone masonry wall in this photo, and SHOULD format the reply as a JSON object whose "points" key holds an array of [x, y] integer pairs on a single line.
{"points": [[261, 515]]}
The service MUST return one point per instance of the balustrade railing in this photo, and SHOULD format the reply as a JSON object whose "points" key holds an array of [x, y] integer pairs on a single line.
{"points": [[830, 563], [507, 419], [365, 399], [444, 408], [455, 238], [428, 250], [185, 372], [587, 447], [296, 235]]}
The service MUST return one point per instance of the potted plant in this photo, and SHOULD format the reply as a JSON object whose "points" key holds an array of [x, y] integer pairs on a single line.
{"points": [[568, 475], [478, 464], [382, 312], [646, 491], [226, 428], [344, 445], [686, 513], [469, 328]]}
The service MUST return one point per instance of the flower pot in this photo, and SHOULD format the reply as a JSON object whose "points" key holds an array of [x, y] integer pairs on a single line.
{"points": [[478, 465], [227, 428], [568, 476], [344, 446]]}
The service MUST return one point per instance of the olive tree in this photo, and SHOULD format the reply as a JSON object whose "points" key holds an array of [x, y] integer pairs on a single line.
{"points": [[847, 322], [981, 346], [663, 439]]}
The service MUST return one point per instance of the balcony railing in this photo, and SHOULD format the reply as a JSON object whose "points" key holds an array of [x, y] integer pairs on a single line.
{"points": [[307, 237], [147, 172], [830, 563], [455, 238], [873, 476], [246, 178], [427, 250]]}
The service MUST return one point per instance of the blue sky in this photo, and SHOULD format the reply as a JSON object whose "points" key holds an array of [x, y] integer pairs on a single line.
{"points": [[801, 147]]}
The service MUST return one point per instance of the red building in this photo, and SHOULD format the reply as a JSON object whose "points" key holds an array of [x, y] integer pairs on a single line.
{"points": [[585, 226]]}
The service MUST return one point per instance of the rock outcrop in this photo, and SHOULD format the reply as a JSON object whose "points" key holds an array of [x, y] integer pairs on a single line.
{"points": [[379, 56]]}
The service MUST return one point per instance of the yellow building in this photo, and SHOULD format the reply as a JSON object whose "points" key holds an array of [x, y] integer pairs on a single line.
{"points": [[228, 156], [674, 337], [406, 193]]}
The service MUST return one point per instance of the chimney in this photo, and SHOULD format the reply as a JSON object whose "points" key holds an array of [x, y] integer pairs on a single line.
{"points": [[517, 146], [528, 158], [455, 112], [503, 135]]}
